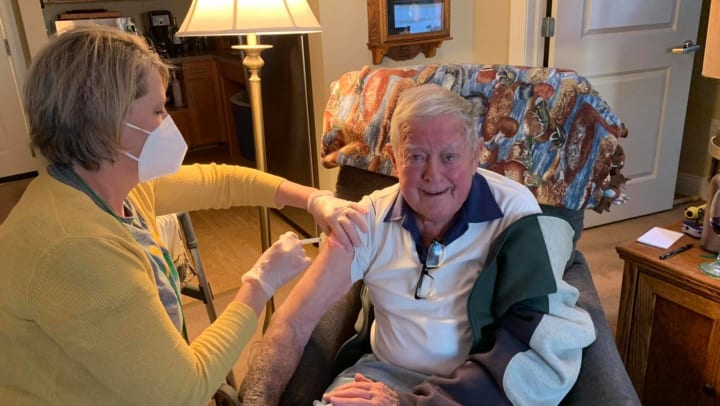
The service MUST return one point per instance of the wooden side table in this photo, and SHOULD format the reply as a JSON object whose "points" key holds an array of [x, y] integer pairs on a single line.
{"points": [[668, 331]]}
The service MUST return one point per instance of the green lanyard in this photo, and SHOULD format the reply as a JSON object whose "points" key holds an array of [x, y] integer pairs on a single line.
{"points": [[172, 275]]}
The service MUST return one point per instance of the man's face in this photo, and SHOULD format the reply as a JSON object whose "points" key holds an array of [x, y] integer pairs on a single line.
{"points": [[435, 165]]}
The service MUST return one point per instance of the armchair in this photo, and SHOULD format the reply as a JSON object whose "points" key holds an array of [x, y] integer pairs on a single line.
{"points": [[545, 128]]}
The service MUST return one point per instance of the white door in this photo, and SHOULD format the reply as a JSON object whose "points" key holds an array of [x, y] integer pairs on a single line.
{"points": [[15, 153], [623, 48]]}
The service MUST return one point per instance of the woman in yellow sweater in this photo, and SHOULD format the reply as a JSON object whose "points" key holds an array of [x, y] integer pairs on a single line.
{"points": [[89, 305]]}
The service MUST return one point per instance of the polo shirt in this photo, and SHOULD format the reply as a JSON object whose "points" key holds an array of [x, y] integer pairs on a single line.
{"points": [[432, 335]]}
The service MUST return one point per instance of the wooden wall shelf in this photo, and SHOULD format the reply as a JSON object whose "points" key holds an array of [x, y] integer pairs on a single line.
{"points": [[401, 29]]}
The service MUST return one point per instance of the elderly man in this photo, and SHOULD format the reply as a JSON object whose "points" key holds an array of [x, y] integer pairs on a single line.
{"points": [[464, 276]]}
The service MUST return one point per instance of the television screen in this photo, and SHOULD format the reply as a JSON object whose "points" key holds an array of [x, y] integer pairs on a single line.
{"points": [[414, 17]]}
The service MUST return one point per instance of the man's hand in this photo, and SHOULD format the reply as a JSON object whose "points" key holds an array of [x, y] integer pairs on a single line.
{"points": [[337, 216], [363, 391]]}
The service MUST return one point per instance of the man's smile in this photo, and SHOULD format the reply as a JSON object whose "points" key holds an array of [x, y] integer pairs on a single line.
{"points": [[436, 193]]}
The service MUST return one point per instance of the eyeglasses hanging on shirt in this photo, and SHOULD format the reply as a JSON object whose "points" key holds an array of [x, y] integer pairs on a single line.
{"points": [[433, 259]]}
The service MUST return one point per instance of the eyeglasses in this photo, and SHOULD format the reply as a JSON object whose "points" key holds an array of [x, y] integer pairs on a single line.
{"points": [[435, 256]]}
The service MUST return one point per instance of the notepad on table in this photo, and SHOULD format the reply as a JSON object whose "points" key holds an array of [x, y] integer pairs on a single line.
{"points": [[659, 237]]}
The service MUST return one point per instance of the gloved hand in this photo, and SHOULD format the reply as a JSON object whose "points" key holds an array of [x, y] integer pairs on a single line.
{"points": [[337, 216], [280, 263]]}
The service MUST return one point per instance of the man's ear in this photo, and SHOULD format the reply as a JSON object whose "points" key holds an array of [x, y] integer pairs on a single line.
{"points": [[477, 154]]}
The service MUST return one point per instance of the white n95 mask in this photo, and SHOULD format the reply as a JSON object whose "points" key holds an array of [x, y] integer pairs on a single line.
{"points": [[163, 152]]}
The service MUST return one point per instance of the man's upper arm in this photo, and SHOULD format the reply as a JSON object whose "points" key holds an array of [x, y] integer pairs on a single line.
{"points": [[329, 277]]}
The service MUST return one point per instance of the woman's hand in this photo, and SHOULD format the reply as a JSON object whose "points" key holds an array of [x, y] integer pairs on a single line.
{"points": [[284, 260], [363, 391], [337, 216]]}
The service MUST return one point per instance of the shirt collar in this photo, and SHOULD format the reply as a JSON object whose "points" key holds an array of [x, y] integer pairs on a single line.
{"points": [[480, 206]]}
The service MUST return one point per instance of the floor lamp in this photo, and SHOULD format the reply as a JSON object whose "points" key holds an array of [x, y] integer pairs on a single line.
{"points": [[207, 18]]}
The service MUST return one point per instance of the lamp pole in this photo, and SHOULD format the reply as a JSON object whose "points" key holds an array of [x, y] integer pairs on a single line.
{"points": [[253, 62]]}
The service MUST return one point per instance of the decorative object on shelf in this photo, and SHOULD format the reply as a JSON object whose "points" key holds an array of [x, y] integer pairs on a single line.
{"points": [[88, 13], [693, 221], [709, 240], [207, 18], [712, 268], [122, 23], [711, 69], [401, 29]]}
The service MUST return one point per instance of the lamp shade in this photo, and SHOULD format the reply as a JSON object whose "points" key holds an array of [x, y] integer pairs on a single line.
{"points": [[711, 60], [238, 17]]}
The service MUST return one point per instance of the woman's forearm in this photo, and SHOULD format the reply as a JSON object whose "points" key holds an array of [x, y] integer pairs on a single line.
{"points": [[293, 194]]}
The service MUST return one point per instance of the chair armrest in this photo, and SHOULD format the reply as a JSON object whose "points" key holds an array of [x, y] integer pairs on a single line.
{"points": [[603, 379], [315, 371]]}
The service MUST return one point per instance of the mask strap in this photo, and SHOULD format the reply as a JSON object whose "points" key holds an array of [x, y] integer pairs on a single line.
{"points": [[131, 156], [137, 128]]}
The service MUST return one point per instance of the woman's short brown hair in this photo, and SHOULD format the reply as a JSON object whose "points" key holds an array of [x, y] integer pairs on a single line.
{"points": [[79, 90]]}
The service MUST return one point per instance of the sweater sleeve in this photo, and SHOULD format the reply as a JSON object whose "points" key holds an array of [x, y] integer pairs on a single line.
{"points": [[114, 329], [528, 331], [209, 186]]}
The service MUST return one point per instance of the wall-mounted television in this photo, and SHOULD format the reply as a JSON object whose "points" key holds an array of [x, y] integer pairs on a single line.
{"points": [[414, 16]]}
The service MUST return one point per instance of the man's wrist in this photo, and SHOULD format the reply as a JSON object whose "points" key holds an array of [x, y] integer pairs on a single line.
{"points": [[315, 195]]}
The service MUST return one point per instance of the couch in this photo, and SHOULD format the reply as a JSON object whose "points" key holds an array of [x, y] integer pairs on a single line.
{"points": [[546, 128]]}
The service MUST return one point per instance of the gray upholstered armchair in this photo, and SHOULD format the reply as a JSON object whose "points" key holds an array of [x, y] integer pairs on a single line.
{"points": [[543, 127]]}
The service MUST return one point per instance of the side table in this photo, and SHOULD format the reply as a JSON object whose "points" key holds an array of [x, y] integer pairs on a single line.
{"points": [[668, 331]]}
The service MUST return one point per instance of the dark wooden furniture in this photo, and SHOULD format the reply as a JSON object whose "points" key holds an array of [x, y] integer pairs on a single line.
{"points": [[668, 331], [203, 119]]}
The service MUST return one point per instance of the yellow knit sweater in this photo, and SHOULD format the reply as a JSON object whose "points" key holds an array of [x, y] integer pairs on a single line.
{"points": [[80, 318]]}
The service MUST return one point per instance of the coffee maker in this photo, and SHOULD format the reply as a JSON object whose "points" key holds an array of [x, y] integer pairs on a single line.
{"points": [[161, 32]]}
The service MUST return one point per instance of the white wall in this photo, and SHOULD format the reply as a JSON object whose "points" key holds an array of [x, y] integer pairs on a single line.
{"points": [[342, 47]]}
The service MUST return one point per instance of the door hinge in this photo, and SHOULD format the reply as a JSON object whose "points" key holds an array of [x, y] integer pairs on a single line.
{"points": [[7, 47], [548, 27]]}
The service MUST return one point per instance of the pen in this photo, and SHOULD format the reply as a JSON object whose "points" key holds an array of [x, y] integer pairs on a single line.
{"points": [[676, 251]]}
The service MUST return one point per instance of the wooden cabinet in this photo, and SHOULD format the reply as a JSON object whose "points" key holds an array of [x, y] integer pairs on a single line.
{"points": [[203, 120], [181, 117], [668, 329]]}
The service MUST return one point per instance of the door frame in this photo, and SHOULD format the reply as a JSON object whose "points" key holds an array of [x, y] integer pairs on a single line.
{"points": [[12, 34], [526, 45], [19, 63]]}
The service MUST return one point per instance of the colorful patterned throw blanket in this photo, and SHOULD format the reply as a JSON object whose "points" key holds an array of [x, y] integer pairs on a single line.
{"points": [[546, 128]]}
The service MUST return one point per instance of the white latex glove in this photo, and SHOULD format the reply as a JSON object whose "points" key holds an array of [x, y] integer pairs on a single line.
{"points": [[340, 217], [284, 260]]}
